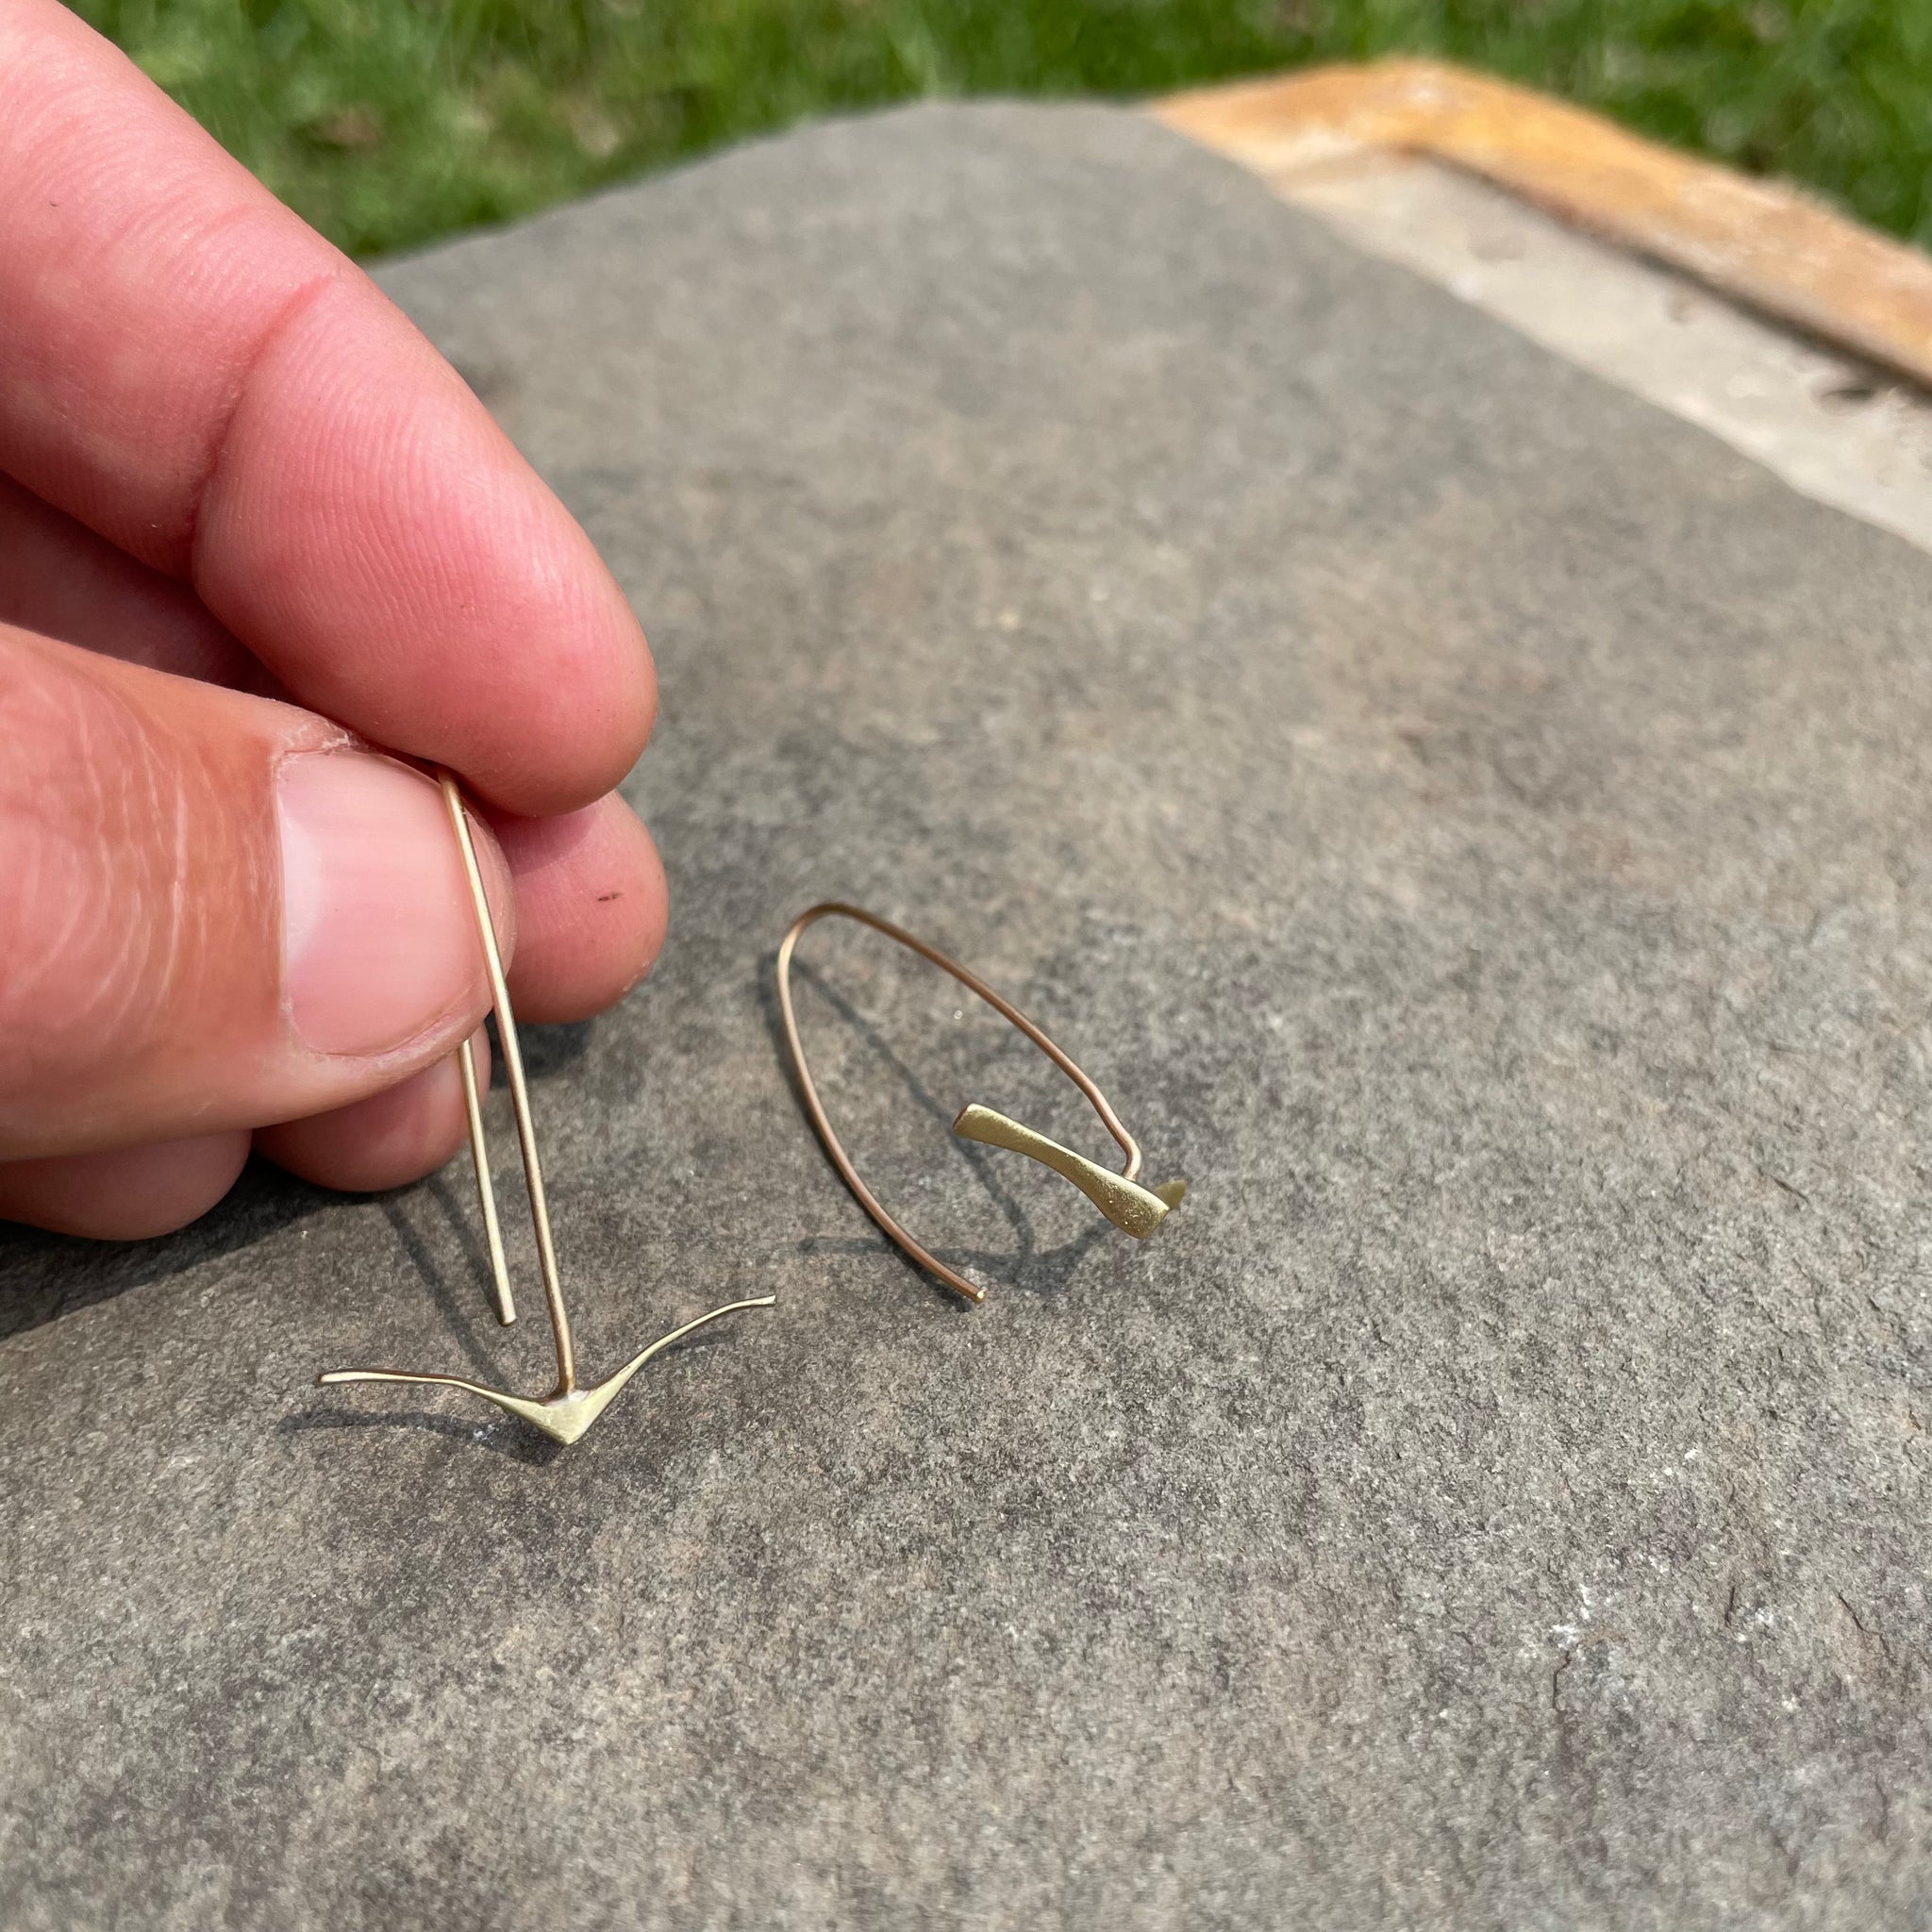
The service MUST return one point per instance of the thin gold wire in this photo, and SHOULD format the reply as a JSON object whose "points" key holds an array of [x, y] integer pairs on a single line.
{"points": [[486, 1194], [1119, 1196], [568, 1410]]}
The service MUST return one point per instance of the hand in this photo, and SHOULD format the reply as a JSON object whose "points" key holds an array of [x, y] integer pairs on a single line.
{"points": [[271, 529]]}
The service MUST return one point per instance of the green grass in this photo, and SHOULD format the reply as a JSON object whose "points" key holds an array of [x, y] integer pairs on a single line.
{"points": [[389, 121]]}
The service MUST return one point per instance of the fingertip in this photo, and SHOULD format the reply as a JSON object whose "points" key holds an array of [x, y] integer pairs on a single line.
{"points": [[388, 552], [218, 913], [387, 1140], [592, 909], [123, 1193]]}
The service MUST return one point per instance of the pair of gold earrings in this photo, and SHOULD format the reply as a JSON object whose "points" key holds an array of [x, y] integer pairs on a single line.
{"points": [[569, 1409]]}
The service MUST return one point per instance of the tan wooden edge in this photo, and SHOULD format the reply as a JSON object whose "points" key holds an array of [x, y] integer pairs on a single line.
{"points": [[1763, 245]]}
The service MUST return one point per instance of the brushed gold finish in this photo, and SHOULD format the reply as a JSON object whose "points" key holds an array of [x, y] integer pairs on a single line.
{"points": [[1119, 1196], [1127, 1204], [486, 1194], [564, 1415], [567, 1411]]}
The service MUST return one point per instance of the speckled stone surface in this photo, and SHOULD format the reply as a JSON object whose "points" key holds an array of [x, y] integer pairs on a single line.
{"points": [[1477, 829]]}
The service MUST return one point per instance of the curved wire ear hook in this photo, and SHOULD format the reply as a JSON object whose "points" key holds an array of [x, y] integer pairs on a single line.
{"points": [[568, 1410], [1119, 1196]]}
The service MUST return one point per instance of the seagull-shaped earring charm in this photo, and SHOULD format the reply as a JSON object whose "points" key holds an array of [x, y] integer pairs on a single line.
{"points": [[1119, 1196], [568, 1410]]}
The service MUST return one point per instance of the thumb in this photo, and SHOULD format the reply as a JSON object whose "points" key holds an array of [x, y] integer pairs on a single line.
{"points": [[217, 910]]}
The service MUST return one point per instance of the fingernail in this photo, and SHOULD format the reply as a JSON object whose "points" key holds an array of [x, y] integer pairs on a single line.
{"points": [[378, 937]]}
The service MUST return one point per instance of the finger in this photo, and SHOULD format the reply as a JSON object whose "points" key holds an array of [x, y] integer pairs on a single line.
{"points": [[59, 579], [591, 909], [387, 1140], [203, 381], [125, 1193], [590, 895], [215, 912]]}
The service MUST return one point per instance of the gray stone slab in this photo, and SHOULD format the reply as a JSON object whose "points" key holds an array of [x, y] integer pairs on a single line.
{"points": [[1473, 825]]}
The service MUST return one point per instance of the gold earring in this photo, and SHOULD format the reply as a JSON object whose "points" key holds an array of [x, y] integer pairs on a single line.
{"points": [[568, 1410], [1119, 1196]]}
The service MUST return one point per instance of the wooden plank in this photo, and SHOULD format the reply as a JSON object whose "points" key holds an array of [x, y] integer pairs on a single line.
{"points": [[1762, 243]]}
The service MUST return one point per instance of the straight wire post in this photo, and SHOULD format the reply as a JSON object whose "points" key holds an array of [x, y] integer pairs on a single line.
{"points": [[567, 1411]]}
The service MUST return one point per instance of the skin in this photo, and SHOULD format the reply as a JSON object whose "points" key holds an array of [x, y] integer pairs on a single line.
{"points": [[248, 515]]}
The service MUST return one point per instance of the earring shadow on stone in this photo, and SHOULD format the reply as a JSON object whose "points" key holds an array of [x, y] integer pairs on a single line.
{"points": [[568, 1410], [1119, 1196]]}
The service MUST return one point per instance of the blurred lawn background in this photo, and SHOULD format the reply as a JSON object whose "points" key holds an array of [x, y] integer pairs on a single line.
{"points": [[387, 123]]}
